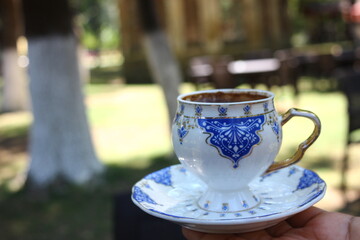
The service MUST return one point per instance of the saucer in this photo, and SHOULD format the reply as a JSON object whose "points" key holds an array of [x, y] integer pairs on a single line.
{"points": [[171, 193]]}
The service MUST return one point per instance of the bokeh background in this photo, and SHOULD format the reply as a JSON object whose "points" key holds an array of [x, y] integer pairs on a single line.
{"points": [[88, 91]]}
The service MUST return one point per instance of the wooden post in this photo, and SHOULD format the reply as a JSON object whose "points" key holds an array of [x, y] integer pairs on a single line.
{"points": [[285, 23], [266, 18], [274, 22], [191, 22], [210, 25], [130, 27], [252, 22], [175, 24]]}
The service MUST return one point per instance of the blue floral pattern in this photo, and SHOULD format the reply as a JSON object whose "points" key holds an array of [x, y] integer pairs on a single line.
{"points": [[182, 132], [308, 179], [222, 111], [182, 108], [266, 106], [272, 120], [247, 109], [183, 122], [198, 110], [262, 178], [233, 138], [292, 171], [177, 117], [140, 196], [161, 177], [276, 128]]}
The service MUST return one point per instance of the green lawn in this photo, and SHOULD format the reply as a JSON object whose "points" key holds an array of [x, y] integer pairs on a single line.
{"points": [[131, 135]]}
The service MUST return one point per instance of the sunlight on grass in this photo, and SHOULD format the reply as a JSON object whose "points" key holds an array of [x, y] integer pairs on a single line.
{"points": [[15, 120], [129, 123], [13, 129]]}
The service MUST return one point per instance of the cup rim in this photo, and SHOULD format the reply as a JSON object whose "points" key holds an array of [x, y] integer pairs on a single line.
{"points": [[268, 96]]}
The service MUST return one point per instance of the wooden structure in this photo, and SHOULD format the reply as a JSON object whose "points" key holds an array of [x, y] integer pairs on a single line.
{"points": [[205, 27]]}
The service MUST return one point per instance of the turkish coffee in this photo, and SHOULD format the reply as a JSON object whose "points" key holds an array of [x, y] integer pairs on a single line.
{"points": [[224, 97]]}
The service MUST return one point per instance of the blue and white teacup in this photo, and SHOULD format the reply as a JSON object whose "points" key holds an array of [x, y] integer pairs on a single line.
{"points": [[228, 137]]}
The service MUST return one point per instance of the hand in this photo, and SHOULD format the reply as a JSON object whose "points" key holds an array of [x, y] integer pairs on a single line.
{"points": [[312, 224]]}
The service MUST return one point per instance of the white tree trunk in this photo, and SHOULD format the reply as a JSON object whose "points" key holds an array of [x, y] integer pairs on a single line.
{"points": [[164, 67], [60, 141], [15, 95]]}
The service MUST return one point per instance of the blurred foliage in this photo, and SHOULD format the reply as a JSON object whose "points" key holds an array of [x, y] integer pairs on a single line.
{"points": [[316, 21], [98, 23], [299, 37], [312, 21]]}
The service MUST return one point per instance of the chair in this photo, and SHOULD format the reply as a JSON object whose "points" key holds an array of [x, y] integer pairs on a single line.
{"points": [[211, 71]]}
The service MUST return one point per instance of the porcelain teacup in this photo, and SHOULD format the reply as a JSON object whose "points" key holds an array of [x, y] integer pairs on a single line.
{"points": [[229, 137]]}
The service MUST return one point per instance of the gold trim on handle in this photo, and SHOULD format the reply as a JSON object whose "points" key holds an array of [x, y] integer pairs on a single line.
{"points": [[304, 145]]}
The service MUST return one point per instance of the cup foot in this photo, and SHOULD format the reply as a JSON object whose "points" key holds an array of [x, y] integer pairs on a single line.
{"points": [[218, 201]]}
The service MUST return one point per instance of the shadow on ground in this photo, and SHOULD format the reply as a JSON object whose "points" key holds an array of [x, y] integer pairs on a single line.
{"points": [[71, 212]]}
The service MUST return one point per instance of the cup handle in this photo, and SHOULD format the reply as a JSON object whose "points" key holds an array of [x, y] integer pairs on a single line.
{"points": [[294, 112]]}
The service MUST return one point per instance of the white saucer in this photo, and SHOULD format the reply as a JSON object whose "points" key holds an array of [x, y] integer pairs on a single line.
{"points": [[172, 193]]}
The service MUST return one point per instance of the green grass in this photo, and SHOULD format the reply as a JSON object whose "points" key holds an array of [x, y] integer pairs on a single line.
{"points": [[131, 135], [130, 123]]}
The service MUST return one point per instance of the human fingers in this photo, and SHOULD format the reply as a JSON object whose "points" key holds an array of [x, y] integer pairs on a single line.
{"points": [[191, 235], [300, 219], [267, 234], [257, 235], [279, 229], [194, 235]]}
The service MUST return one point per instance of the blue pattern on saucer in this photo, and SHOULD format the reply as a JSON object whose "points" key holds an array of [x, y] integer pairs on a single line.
{"points": [[140, 196], [308, 179], [283, 192], [162, 176]]}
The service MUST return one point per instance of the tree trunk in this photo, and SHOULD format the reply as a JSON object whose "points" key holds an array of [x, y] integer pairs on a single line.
{"points": [[164, 68], [60, 141], [15, 96], [210, 25], [163, 65]]}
